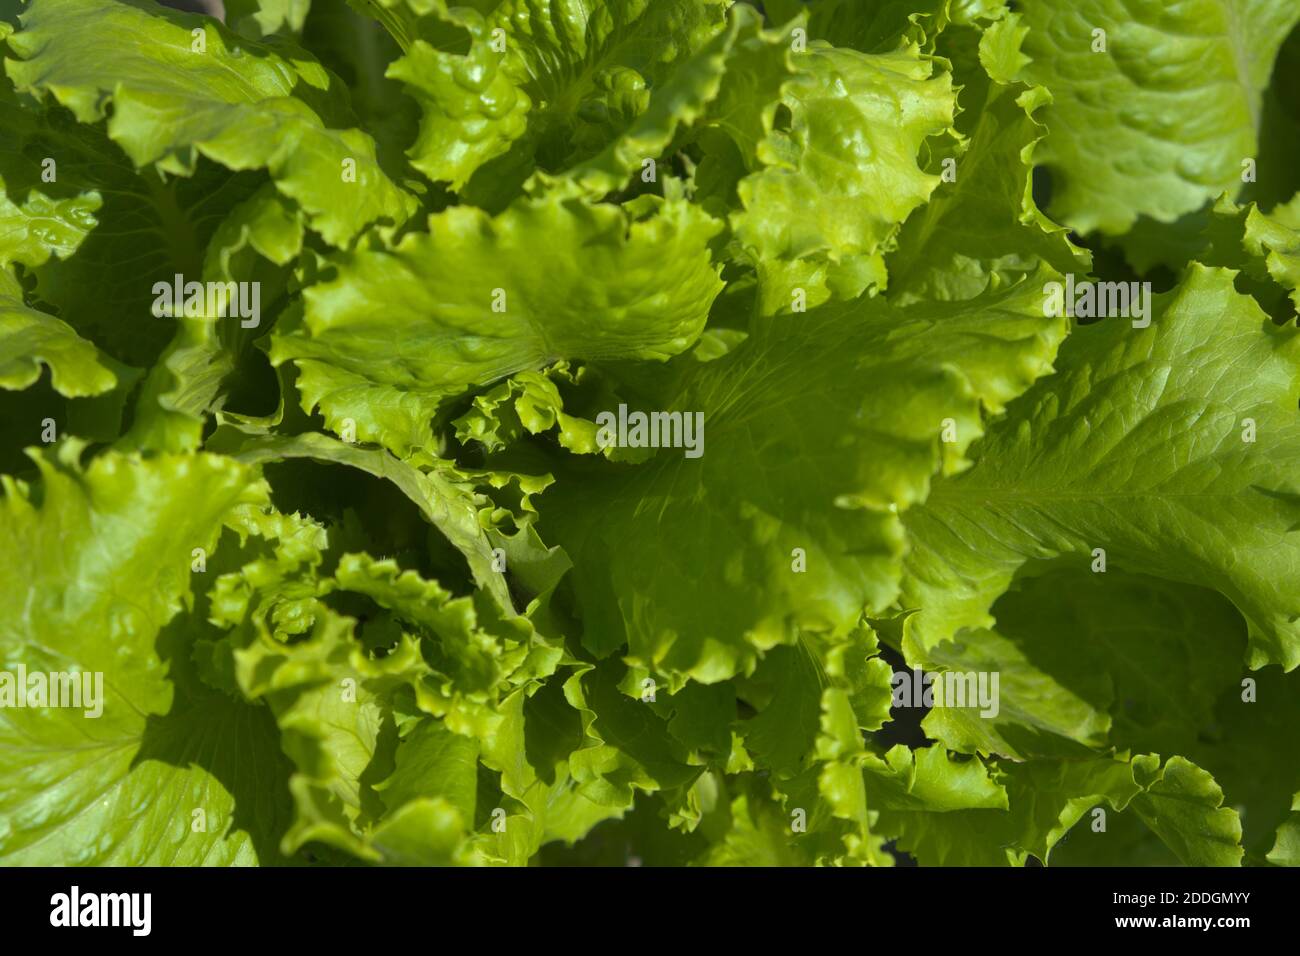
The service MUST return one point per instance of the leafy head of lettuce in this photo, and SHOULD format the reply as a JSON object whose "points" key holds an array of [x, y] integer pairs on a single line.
{"points": [[544, 431]]}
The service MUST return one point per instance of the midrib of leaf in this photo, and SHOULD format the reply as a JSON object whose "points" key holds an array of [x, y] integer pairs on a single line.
{"points": [[1005, 495], [1240, 61], [392, 23], [182, 243]]}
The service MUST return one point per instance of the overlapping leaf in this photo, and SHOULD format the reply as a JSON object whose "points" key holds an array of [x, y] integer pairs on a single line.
{"points": [[167, 772], [817, 432], [476, 299], [1169, 448], [177, 94], [1154, 109]]}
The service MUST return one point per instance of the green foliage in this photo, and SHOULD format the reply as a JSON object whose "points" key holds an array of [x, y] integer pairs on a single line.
{"points": [[381, 572]]}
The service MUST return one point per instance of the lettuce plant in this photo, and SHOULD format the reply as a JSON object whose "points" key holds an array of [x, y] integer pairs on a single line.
{"points": [[650, 432]]}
